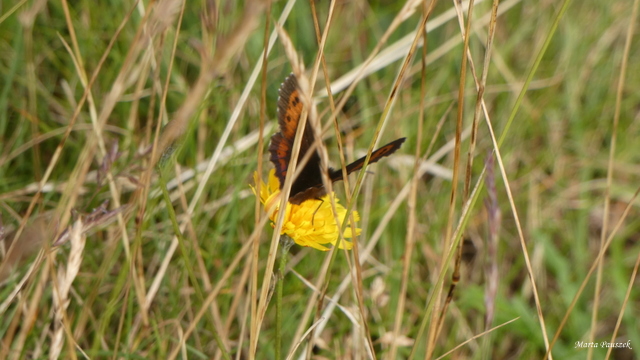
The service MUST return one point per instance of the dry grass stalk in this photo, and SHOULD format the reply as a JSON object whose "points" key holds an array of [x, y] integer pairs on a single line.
{"points": [[61, 292]]}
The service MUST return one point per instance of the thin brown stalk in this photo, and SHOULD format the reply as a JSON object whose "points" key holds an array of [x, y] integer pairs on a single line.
{"points": [[625, 302], [479, 106], [317, 299], [438, 319], [161, 17], [358, 276], [413, 195], [521, 237], [457, 236], [409, 8], [587, 277], [255, 254], [488, 331], [607, 195], [267, 279]]}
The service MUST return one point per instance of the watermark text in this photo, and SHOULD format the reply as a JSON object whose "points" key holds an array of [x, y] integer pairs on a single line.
{"points": [[603, 344]]}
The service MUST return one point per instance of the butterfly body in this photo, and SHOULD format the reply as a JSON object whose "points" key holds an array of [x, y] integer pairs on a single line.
{"points": [[308, 185]]}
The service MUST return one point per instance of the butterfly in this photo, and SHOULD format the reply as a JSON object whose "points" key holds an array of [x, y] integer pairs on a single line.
{"points": [[308, 185]]}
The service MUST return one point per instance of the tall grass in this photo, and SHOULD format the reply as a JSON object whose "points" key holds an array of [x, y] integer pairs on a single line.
{"points": [[165, 109]]}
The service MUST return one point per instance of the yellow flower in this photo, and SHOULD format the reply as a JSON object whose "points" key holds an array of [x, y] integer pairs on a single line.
{"points": [[309, 224]]}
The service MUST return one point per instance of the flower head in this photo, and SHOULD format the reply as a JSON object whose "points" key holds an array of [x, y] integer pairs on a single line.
{"points": [[311, 223]]}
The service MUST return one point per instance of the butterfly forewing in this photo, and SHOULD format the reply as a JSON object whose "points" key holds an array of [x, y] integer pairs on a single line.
{"points": [[386, 150]]}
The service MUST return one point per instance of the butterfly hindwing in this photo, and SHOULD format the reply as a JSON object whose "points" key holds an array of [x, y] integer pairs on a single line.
{"points": [[280, 150]]}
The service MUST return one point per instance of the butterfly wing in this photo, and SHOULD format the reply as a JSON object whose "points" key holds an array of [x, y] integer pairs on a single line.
{"points": [[386, 150], [308, 184], [289, 115]]}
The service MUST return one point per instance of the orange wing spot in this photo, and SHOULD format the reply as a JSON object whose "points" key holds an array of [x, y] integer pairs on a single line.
{"points": [[382, 152], [284, 163], [292, 116]]}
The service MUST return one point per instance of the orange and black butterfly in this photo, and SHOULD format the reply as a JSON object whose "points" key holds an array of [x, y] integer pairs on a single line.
{"points": [[308, 185]]}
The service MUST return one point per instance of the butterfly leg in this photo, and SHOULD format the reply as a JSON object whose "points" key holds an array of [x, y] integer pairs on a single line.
{"points": [[314, 213]]}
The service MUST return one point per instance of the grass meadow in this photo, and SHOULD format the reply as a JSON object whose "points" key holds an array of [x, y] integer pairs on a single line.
{"points": [[130, 132]]}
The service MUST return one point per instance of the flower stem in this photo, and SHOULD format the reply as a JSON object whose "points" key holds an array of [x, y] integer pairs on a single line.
{"points": [[285, 245]]}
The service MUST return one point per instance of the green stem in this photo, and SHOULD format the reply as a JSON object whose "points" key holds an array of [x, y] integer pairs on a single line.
{"points": [[285, 245]]}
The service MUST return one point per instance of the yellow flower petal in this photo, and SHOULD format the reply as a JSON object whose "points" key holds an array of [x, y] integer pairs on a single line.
{"points": [[310, 223]]}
